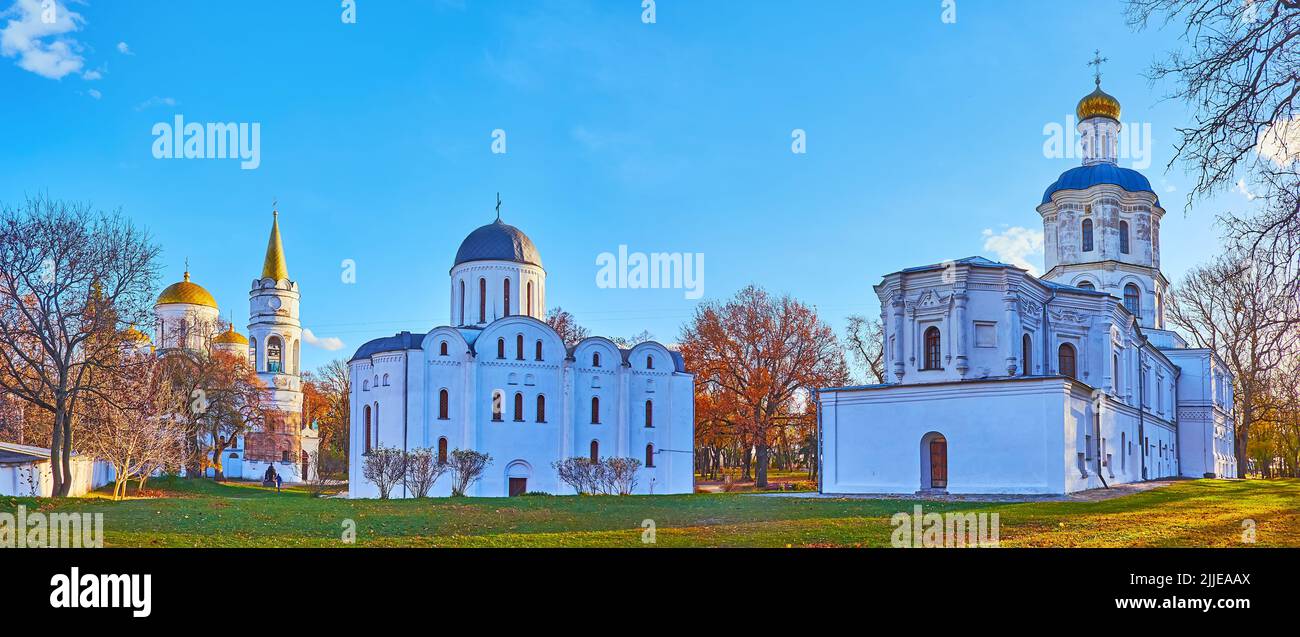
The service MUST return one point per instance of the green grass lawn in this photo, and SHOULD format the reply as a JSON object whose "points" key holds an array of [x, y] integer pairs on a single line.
{"points": [[201, 513]]}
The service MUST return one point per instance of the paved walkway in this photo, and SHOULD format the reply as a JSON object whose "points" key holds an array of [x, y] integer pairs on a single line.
{"points": [[1091, 495]]}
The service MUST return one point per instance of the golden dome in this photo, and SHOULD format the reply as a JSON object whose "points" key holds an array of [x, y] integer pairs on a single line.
{"points": [[274, 266], [134, 335], [230, 337], [1098, 103], [186, 292]]}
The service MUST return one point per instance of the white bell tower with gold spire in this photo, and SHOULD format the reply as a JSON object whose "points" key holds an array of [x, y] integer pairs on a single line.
{"points": [[274, 330]]}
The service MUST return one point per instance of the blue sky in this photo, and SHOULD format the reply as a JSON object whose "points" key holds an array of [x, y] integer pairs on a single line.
{"points": [[674, 136]]}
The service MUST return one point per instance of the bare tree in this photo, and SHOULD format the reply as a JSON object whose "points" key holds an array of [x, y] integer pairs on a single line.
{"points": [[69, 280], [1241, 75], [423, 470], [566, 326], [620, 475], [865, 340], [1240, 312], [466, 467], [385, 467], [577, 472]]}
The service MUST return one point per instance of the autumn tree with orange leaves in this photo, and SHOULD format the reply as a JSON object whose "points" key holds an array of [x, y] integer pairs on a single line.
{"points": [[760, 358]]}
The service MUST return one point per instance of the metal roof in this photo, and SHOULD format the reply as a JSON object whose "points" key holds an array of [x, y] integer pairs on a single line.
{"points": [[1084, 177], [498, 241]]}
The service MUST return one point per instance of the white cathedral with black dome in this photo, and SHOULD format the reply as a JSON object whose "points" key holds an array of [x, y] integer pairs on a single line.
{"points": [[499, 380], [1002, 382]]}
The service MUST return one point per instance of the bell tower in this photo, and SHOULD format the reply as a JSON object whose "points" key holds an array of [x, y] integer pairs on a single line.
{"points": [[274, 330]]}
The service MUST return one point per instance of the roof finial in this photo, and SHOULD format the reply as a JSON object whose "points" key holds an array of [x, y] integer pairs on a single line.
{"points": [[1096, 61], [498, 206], [275, 206], [187, 268]]}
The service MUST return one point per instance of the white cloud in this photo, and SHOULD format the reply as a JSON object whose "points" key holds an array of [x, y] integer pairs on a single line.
{"points": [[124, 49], [36, 35], [1015, 245], [1245, 192], [155, 101], [95, 94], [1280, 142], [329, 343]]}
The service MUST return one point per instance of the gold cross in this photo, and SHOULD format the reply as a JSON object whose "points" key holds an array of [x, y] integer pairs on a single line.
{"points": [[1096, 61]]}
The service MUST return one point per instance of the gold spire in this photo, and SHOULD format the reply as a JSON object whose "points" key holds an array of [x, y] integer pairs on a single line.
{"points": [[274, 267]]}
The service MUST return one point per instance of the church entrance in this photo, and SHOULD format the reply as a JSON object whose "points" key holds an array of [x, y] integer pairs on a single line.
{"points": [[518, 486], [938, 463], [517, 474], [934, 462]]}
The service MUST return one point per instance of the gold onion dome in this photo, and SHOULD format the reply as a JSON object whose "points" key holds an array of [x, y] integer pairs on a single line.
{"points": [[134, 335], [230, 337], [186, 292], [1098, 103]]}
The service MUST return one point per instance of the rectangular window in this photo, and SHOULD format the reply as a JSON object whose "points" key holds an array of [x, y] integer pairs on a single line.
{"points": [[986, 334]]}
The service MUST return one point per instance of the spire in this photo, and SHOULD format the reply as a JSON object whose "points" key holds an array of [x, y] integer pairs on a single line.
{"points": [[274, 267]]}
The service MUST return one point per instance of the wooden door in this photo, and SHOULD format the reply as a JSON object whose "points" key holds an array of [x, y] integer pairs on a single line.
{"points": [[518, 486], [939, 463]]}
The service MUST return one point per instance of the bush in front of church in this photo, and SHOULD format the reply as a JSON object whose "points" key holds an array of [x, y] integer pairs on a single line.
{"points": [[609, 476]]}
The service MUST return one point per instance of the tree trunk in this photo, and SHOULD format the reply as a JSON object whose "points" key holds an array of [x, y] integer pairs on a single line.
{"points": [[67, 455], [760, 466], [56, 452]]}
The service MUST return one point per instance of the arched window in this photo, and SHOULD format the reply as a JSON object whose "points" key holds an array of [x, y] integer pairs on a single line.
{"points": [[1065, 360], [595, 451], [274, 355], [1123, 237], [366, 427], [482, 300], [931, 359], [497, 399], [501, 348], [1086, 285], [530, 298], [297, 347], [442, 451], [444, 406], [1114, 372], [649, 362], [442, 348], [519, 407], [1026, 354], [649, 413], [519, 347], [541, 408], [365, 385], [505, 296], [1133, 300], [537, 353], [252, 352], [1087, 235], [595, 359], [385, 380], [595, 410], [462, 302]]}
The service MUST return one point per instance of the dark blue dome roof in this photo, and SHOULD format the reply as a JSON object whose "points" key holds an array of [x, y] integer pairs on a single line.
{"points": [[498, 242], [1083, 177]]}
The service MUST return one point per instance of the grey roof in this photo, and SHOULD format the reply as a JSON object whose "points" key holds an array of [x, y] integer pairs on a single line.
{"points": [[18, 457], [975, 260], [395, 343], [498, 241]]}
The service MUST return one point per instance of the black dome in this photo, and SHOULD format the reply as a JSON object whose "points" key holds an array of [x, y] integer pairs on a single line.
{"points": [[498, 241]]}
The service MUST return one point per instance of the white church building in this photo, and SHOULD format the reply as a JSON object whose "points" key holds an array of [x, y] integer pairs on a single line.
{"points": [[1000, 382], [499, 380]]}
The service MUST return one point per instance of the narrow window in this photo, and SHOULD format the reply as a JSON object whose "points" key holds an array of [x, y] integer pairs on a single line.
{"points": [[505, 294], [385, 380], [1133, 300], [519, 347], [252, 352], [366, 419], [284, 456], [649, 413], [1114, 372], [1123, 237], [497, 399], [462, 302], [1026, 354], [530, 299], [275, 355], [537, 353], [482, 300], [595, 451], [443, 405], [931, 348], [442, 348], [595, 410], [541, 408], [649, 362], [501, 348], [595, 359], [1065, 360], [649, 455], [1087, 235], [442, 451], [519, 407]]}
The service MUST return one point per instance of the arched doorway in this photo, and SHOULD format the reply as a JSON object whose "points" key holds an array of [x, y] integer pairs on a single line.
{"points": [[934, 462], [517, 474]]}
